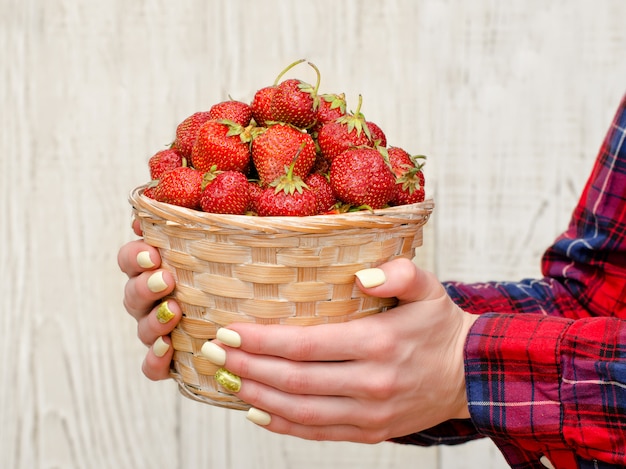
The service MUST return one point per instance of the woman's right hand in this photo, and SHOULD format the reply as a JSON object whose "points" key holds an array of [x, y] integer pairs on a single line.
{"points": [[145, 289]]}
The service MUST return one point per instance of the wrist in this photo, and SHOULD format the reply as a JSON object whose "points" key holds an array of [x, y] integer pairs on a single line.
{"points": [[462, 407]]}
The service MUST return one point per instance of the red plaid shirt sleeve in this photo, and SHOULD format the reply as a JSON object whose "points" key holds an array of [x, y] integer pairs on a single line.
{"points": [[551, 383]]}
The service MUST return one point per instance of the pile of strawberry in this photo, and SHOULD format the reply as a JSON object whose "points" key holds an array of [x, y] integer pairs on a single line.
{"points": [[290, 152]]}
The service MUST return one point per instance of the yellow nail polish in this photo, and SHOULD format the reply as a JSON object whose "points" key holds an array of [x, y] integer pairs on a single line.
{"points": [[229, 381], [143, 259], [160, 347], [156, 284], [163, 314], [258, 416], [228, 337], [370, 278], [214, 353]]}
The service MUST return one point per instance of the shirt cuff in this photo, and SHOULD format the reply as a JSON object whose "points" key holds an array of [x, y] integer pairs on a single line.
{"points": [[513, 373]]}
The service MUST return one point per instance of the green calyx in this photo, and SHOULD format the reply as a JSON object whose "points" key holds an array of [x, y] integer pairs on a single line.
{"points": [[209, 176], [356, 121], [336, 101], [246, 134], [409, 179], [288, 182]]}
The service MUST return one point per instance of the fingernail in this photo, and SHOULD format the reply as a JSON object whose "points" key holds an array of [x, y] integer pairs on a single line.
{"points": [[214, 353], [371, 277], [258, 416], [228, 337], [143, 259], [163, 314], [156, 283], [160, 347], [229, 381]]}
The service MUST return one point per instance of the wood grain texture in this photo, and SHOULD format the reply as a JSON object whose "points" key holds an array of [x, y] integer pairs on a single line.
{"points": [[510, 101]]}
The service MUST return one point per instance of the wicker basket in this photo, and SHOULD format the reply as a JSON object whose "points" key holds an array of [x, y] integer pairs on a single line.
{"points": [[268, 270]]}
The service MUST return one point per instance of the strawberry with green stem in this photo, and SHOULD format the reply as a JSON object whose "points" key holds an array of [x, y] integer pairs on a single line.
{"points": [[331, 107], [295, 102], [287, 195], [272, 150], [222, 143], [409, 176], [349, 131], [261, 104]]}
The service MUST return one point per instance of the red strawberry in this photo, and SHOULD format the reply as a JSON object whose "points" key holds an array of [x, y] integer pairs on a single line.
{"points": [[221, 143], [287, 195], [225, 192], [295, 102], [320, 185], [276, 147], [255, 191], [180, 186], [273, 203], [346, 132], [399, 159], [361, 176], [261, 104], [187, 131], [149, 192], [409, 176], [331, 107], [163, 161], [232, 110], [378, 136]]}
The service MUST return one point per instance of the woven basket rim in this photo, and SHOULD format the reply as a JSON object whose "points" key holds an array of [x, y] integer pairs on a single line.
{"points": [[195, 219]]}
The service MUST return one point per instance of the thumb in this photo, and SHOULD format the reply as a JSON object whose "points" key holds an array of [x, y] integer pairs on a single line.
{"points": [[402, 279]]}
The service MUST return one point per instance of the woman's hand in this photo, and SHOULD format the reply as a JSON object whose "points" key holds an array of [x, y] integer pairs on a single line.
{"points": [[368, 380], [147, 285]]}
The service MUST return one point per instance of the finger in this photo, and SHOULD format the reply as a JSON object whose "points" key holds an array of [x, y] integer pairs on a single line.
{"points": [[159, 322], [351, 433], [345, 378], [402, 279], [137, 227], [315, 417], [142, 291], [156, 364], [136, 257], [326, 342]]}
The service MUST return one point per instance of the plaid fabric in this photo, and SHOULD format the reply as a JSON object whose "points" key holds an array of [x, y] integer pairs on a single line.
{"points": [[551, 383]]}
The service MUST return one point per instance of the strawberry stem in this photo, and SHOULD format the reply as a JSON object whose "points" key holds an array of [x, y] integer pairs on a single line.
{"points": [[319, 78], [357, 113], [288, 182], [289, 67]]}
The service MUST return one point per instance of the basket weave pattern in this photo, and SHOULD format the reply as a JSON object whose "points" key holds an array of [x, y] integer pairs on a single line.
{"points": [[267, 270]]}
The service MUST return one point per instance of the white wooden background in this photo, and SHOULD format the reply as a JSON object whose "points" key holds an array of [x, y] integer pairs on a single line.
{"points": [[509, 99]]}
